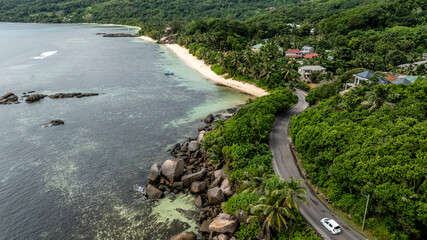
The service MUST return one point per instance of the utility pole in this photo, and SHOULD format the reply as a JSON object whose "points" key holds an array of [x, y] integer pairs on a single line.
{"points": [[366, 209]]}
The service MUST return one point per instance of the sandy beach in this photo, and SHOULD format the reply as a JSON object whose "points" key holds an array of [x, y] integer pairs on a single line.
{"points": [[206, 71]]}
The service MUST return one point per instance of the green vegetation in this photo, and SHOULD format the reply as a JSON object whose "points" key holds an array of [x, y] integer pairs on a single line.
{"points": [[239, 145], [134, 12], [371, 141]]}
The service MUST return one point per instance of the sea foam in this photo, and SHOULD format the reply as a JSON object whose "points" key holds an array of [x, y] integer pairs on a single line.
{"points": [[45, 55]]}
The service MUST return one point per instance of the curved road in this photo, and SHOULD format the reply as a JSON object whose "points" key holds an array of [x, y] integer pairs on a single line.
{"points": [[285, 166]]}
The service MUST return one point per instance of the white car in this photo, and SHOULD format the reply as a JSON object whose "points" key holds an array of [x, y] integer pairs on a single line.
{"points": [[331, 225]]}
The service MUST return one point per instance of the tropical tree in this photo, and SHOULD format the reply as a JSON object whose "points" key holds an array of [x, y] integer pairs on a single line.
{"points": [[255, 180], [378, 97], [295, 190], [276, 209]]}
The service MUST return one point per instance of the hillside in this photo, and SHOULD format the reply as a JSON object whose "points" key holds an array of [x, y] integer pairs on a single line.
{"points": [[131, 11], [371, 141]]}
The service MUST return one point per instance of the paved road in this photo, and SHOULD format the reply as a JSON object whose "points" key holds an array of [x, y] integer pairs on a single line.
{"points": [[285, 166]]}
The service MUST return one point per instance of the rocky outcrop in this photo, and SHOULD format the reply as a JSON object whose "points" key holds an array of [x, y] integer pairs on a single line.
{"points": [[154, 174], [215, 196], [71, 95], [191, 172], [153, 192], [118, 35], [9, 98], [193, 146], [224, 223], [185, 236], [226, 188], [173, 169], [57, 122], [34, 98], [188, 179], [167, 39], [209, 118], [201, 136], [198, 187]]}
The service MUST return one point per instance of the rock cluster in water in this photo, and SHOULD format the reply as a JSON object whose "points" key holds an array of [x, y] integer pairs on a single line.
{"points": [[54, 123], [189, 171], [117, 34], [11, 98]]}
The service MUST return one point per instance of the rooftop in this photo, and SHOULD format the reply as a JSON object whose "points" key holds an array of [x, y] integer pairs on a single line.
{"points": [[311, 55], [402, 80], [308, 47], [365, 74], [312, 68], [293, 51]]}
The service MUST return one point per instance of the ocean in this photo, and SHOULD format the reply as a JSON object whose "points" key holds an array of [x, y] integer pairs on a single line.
{"points": [[74, 181]]}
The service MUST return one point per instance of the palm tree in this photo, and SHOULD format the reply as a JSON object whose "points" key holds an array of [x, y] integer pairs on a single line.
{"points": [[289, 73], [272, 211], [255, 180], [219, 125], [379, 97], [294, 190], [275, 209]]}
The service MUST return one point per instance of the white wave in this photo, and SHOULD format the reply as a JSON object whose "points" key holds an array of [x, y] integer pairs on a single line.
{"points": [[45, 55]]}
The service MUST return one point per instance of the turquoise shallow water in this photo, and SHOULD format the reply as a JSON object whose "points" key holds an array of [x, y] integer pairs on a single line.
{"points": [[74, 181]]}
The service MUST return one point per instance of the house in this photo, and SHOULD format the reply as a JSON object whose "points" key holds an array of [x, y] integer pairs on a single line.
{"points": [[402, 81], [411, 78], [306, 71], [390, 77], [311, 55], [411, 65], [257, 47], [424, 56], [363, 76], [294, 53], [307, 50], [366, 75]]}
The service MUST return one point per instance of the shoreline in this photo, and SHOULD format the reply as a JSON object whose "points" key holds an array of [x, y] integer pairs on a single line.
{"points": [[204, 69]]}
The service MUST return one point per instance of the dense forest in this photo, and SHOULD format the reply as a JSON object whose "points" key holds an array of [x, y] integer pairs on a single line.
{"points": [[134, 12], [371, 141]]}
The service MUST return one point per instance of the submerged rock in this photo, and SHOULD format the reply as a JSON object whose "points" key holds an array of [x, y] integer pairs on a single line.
{"points": [[34, 98], [53, 123], [57, 122], [9, 98], [71, 95]]}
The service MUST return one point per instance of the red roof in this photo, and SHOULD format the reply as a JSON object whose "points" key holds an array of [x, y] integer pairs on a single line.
{"points": [[293, 51], [311, 55]]}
